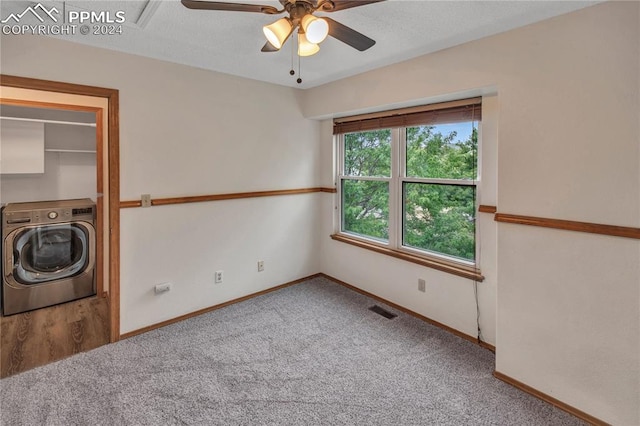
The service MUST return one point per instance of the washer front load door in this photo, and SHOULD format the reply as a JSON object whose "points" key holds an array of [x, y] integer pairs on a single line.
{"points": [[48, 264], [47, 253]]}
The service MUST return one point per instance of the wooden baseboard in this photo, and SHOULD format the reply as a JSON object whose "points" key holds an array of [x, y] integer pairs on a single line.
{"points": [[551, 400], [298, 281], [213, 308], [412, 313], [525, 388]]}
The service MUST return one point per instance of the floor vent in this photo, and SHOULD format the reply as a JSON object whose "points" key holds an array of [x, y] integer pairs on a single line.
{"points": [[381, 311]]}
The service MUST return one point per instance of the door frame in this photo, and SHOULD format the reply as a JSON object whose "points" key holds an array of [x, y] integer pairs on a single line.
{"points": [[113, 144]]}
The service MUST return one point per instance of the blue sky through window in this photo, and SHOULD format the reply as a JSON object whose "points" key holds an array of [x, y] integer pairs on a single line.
{"points": [[463, 130]]}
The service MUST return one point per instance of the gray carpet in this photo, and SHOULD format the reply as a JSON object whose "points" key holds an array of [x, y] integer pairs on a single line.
{"points": [[311, 354]]}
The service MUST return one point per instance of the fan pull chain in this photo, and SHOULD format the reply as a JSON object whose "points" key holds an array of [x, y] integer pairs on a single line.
{"points": [[299, 80], [292, 72], [293, 52]]}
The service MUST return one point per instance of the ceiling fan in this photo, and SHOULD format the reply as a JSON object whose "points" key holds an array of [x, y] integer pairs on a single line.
{"points": [[311, 30]]}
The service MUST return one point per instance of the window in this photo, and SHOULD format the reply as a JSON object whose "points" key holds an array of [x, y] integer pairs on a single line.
{"points": [[365, 184], [408, 180]]}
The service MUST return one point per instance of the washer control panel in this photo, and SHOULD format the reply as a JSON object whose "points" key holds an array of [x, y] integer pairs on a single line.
{"points": [[44, 216], [15, 215]]}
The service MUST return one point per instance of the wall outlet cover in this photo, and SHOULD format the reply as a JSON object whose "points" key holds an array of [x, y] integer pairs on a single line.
{"points": [[162, 288]]}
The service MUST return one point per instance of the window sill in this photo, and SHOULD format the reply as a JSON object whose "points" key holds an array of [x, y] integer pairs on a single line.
{"points": [[441, 265]]}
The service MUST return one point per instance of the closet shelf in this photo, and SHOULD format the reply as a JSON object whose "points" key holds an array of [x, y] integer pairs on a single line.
{"points": [[74, 151]]}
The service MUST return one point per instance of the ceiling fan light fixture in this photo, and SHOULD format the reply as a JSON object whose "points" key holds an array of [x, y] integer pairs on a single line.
{"points": [[316, 29], [278, 32], [306, 48]]}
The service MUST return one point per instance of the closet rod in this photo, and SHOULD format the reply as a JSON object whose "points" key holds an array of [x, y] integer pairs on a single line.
{"points": [[40, 120]]}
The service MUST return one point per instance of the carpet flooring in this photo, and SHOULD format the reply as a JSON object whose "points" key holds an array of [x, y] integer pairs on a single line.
{"points": [[310, 354]]}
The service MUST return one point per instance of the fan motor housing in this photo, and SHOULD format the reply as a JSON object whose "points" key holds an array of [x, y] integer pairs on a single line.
{"points": [[298, 9]]}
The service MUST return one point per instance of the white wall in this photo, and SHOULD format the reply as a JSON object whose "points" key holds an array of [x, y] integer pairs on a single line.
{"points": [[568, 126], [186, 131], [185, 245], [66, 175], [448, 299]]}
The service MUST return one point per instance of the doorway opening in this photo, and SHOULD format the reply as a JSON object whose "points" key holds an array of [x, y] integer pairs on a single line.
{"points": [[53, 97]]}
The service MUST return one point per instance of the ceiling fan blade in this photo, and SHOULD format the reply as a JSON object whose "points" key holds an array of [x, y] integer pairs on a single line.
{"points": [[348, 35], [268, 47], [234, 7], [347, 4]]}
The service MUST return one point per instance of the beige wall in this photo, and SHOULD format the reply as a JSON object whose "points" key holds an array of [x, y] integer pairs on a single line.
{"points": [[563, 308], [185, 131], [568, 132], [448, 299]]}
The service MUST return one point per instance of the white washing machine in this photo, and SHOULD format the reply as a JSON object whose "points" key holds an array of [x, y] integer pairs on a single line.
{"points": [[48, 253]]}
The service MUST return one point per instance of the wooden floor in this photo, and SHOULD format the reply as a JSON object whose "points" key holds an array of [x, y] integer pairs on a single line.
{"points": [[36, 338]]}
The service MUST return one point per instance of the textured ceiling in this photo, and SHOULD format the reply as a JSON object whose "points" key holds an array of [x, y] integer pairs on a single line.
{"points": [[230, 42]]}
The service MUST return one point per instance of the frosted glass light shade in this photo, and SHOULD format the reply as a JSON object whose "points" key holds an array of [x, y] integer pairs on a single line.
{"points": [[316, 29], [278, 32], [304, 47]]}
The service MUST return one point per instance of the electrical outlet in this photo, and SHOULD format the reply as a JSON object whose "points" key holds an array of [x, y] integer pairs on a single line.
{"points": [[162, 288], [260, 265], [219, 276], [422, 285], [146, 200]]}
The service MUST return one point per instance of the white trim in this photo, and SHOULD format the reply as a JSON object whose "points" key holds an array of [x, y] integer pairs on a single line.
{"points": [[372, 240], [438, 181], [396, 182], [147, 13], [372, 178], [437, 256], [478, 190], [337, 223], [394, 192]]}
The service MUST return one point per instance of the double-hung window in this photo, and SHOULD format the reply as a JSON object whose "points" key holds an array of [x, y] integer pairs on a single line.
{"points": [[407, 181]]}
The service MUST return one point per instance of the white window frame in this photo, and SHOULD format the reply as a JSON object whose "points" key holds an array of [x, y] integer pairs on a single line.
{"points": [[396, 180]]}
